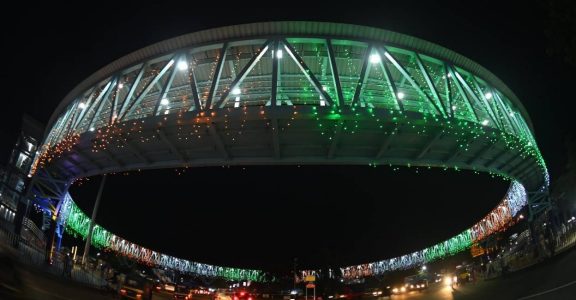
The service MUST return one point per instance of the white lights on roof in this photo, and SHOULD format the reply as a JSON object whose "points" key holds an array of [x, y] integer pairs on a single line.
{"points": [[92, 129], [488, 95], [485, 122], [237, 102], [324, 88], [82, 105], [120, 85], [279, 53], [236, 91], [166, 111], [511, 114], [400, 95], [322, 102], [453, 107], [375, 58], [164, 101], [182, 65]]}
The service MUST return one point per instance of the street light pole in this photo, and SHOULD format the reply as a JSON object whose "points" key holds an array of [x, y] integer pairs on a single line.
{"points": [[94, 211]]}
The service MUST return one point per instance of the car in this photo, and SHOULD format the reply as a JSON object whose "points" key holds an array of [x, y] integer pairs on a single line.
{"points": [[242, 295], [136, 287], [182, 292], [221, 296]]}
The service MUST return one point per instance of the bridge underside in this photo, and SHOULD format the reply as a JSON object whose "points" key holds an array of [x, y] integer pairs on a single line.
{"points": [[295, 135]]}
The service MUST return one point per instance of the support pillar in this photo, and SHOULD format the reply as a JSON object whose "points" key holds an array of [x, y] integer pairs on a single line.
{"points": [[94, 212]]}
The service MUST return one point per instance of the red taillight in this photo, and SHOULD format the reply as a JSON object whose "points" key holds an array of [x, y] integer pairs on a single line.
{"points": [[235, 297], [249, 298], [139, 296], [242, 293], [122, 291]]}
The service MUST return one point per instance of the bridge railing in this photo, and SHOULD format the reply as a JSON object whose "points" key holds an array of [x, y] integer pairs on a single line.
{"points": [[29, 254]]}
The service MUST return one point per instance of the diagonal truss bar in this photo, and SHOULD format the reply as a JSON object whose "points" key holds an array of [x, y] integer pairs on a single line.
{"points": [[113, 112], [89, 103], [275, 138], [166, 87], [132, 91], [171, 145], [336, 139], [461, 91], [217, 141], [475, 97], [150, 85], [426, 148], [217, 73], [409, 78], [307, 72], [491, 111], [335, 74], [102, 98], [240, 77], [193, 85], [510, 116], [274, 91], [448, 89], [362, 79], [390, 80], [431, 85]]}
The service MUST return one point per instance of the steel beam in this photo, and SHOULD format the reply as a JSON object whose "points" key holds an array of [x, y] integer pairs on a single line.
{"points": [[390, 80], [193, 85], [431, 85], [274, 91], [240, 78], [101, 99], [307, 72], [166, 87], [496, 158], [111, 157], [335, 73], [457, 151], [362, 78], [151, 84], [218, 141], [216, 77], [74, 162], [131, 91], [462, 92], [409, 78]]}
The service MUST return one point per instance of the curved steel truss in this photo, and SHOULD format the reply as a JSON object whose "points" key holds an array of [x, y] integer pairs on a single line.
{"points": [[291, 97]]}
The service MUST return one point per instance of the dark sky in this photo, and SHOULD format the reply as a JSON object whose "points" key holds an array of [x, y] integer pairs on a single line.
{"points": [[49, 49]]}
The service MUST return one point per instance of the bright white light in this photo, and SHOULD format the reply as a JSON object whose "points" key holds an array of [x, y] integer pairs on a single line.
{"points": [[453, 107], [324, 88], [488, 95], [293, 292], [166, 112], [423, 267], [375, 58], [164, 101], [485, 122], [120, 85], [279, 54], [236, 91], [182, 65], [92, 129], [82, 105], [400, 95], [322, 103], [511, 114]]}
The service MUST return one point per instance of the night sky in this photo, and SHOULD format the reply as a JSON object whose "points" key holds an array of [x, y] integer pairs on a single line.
{"points": [[322, 215]]}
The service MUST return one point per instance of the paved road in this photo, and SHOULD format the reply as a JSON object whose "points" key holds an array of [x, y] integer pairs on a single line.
{"points": [[555, 279]]}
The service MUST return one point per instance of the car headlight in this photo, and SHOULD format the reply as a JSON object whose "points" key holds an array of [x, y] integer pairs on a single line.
{"points": [[395, 290], [403, 289]]}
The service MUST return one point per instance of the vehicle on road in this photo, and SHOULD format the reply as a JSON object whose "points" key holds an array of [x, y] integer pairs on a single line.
{"points": [[136, 287], [242, 295], [182, 292]]}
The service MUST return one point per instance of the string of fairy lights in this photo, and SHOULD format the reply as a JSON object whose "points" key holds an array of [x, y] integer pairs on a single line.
{"points": [[393, 87], [77, 224]]}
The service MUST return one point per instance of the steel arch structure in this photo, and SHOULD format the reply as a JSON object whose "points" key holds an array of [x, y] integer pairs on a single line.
{"points": [[288, 93]]}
